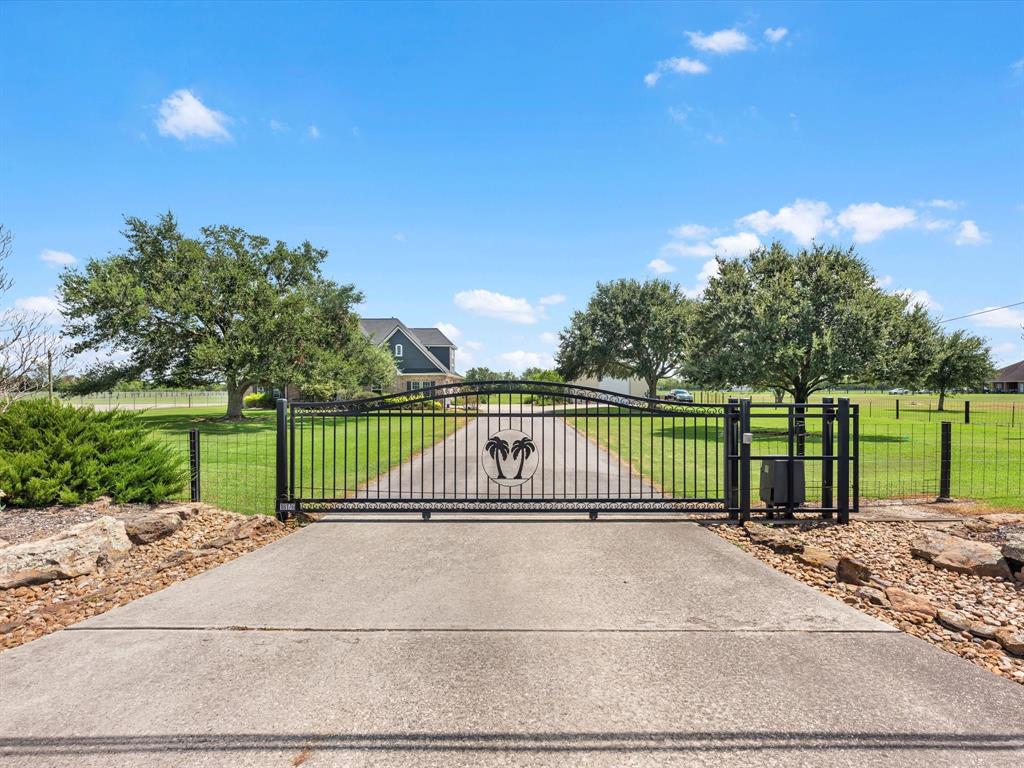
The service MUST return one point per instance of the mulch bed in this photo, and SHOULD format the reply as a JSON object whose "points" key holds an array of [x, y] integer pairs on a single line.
{"points": [[207, 538]]}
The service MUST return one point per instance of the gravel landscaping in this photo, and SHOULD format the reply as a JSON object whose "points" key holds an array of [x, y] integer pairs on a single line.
{"points": [[61, 565], [960, 587]]}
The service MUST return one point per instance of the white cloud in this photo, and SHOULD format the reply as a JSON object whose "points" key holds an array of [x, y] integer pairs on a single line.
{"points": [[679, 65], [43, 305], [727, 246], [938, 225], [450, 331], [399, 236], [949, 205], [313, 132], [554, 298], [969, 234], [999, 318], [660, 266], [182, 115], [519, 360], [708, 270], [869, 221], [775, 34], [804, 220], [474, 345], [679, 115], [691, 232], [715, 138], [549, 337], [920, 297], [57, 258], [884, 281], [278, 127], [1018, 68], [499, 306], [723, 41], [740, 244]]}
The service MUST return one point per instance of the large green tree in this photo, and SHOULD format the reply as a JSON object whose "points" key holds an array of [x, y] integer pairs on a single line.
{"points": [[800, 322], [961, 361], [226, 306], [629, 328]]}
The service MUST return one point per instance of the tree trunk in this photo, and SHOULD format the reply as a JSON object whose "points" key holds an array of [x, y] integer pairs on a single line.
{"points": [[652, 390], [236, 398], [942, 399]]}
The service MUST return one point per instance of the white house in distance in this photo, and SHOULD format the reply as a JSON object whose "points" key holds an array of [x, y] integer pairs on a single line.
{"points": [[425, 357], [634, 387]]}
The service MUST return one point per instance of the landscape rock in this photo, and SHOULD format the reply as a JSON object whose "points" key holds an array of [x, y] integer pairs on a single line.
{"points": [[1013, 548], [853, 571], [1005, 518], [4, 543], [953, 620], [76, 551], [1012, 639], [907, 602], [147, 527], [872, 595], [774, 538], [983, 631], [817, 557], [952, 553]]}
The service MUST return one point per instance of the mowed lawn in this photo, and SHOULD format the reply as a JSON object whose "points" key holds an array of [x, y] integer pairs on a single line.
{"points": [[334, 455], [684, 456]]}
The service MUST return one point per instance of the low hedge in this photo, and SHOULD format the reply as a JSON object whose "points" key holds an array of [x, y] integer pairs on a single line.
{"points": [[59, 454], [260, 400]]}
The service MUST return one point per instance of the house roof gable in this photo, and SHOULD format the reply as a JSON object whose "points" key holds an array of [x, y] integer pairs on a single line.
{"points": [[1012, 372], [380, 329]]}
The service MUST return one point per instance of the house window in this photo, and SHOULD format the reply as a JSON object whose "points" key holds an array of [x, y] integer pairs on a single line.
{"points": [[412, 386], [398, 351]]}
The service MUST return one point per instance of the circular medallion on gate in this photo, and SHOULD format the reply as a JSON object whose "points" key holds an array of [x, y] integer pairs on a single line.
{"points": [[510, 457]]}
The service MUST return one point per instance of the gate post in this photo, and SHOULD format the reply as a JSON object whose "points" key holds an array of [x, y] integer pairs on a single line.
{"points": [[730, 479], [281, 484], [745, 440], [193, 465], [945, 461], [843, 471], [826, 457]]}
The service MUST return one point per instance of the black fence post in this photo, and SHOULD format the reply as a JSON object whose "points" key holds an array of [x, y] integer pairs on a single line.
{"points": [[945, 461], [746, 438], [967, 411], [843, 470], [729, 470], [827, 414], [193, 465], [897, 409], [281, 484]]}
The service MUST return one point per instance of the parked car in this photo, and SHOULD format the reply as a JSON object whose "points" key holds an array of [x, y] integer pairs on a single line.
{"points": [[679, 395], [899, 391]]}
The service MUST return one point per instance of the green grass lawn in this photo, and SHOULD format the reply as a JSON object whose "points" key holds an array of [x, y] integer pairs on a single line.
{"points": [[333, 455]]}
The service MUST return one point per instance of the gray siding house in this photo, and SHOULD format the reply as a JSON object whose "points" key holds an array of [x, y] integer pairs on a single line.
{"points": [[425, 357]]}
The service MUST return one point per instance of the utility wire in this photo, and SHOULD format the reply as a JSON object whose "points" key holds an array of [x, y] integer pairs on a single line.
{"points": [[982, 312]]}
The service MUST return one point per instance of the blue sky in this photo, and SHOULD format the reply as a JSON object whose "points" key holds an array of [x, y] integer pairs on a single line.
{"points": [[481, 166]]}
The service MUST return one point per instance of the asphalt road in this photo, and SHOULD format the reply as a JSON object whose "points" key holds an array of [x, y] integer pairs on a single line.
{"points": [[534, 643]]}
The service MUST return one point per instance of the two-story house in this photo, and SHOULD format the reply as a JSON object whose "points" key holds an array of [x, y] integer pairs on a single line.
{"points": [[425, 357]]}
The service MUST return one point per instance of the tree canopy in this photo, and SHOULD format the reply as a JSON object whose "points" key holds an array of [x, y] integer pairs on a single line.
{"points": [[799, 322], [961, 361], [227, 306], [629, 328]]}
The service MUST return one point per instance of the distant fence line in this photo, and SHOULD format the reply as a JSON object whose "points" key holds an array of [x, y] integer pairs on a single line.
{"points": [[182, 398]]}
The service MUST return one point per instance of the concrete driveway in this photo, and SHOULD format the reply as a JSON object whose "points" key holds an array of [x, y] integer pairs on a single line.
{"points": [[460, 643]]}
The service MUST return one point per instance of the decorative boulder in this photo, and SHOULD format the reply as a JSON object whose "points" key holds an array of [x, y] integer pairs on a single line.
{"points": [[76, 551], [952, 553], [147, 527], [907, 602], [1012, 639], [852, 571]]}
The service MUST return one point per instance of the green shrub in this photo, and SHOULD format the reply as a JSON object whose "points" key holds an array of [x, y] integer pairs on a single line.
{"points": [[260, 400], [56, 453]]}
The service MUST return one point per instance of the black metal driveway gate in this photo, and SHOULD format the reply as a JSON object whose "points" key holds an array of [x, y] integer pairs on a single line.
{"points": [[530, 446]]}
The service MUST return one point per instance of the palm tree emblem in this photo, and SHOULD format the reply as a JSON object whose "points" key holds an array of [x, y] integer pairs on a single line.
{"points": [[496, 446], [521, 449]]}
